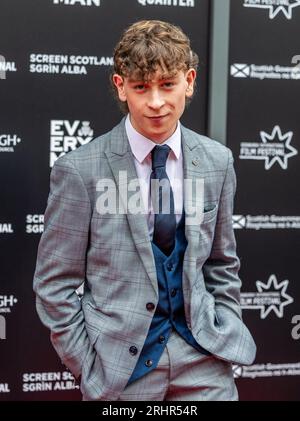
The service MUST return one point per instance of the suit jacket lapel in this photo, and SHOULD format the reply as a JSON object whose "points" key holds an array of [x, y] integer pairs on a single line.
{"points": [[120, 158], [191, 200], [192, 174]]}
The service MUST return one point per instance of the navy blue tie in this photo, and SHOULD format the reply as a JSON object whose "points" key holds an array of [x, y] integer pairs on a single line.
{"points": [[163, 201]]}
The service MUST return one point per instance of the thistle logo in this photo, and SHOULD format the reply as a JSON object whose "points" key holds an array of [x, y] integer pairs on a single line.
{"points": [[275, 147], [274, 6], [78, 2], [270, 296], [66, 136]]}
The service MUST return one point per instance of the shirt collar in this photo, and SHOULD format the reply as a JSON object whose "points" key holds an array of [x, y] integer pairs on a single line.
{"points": [[141, 146]]}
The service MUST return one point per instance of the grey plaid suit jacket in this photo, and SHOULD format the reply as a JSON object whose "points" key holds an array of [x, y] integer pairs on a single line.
{"points": [[112, 255]]}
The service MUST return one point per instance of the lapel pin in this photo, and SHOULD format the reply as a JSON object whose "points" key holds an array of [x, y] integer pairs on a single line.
{"points": [[195, 161]]}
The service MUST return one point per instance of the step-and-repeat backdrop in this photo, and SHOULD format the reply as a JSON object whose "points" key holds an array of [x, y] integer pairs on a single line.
{"points": [[56, 57], [264, 134], [55, 61]]}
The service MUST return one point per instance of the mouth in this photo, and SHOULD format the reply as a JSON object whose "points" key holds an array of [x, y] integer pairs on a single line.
{"points": [[158, 118]]}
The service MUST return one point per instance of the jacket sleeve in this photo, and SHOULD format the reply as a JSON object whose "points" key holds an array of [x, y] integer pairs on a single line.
{"points": [[61, 264], [221, 268]]}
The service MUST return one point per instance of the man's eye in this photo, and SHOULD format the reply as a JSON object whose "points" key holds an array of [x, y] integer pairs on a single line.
{"points": [[168, 84], [139, 87]]}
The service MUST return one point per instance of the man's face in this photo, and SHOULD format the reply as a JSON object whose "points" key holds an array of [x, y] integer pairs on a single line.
{"points": [[157, 104]]}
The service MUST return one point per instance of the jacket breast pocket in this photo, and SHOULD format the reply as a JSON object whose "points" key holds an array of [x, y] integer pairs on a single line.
{"points": [[210, 213], [207, 232]]}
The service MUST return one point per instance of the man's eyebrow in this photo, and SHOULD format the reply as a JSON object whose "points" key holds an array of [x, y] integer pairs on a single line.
{"points": [[130, 80], [169, 76], [163, 77]]}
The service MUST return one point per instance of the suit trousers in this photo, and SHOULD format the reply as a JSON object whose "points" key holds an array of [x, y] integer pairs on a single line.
{"points": [[184, 374]]}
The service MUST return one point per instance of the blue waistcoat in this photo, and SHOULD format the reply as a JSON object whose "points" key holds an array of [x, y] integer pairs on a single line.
{"points": [[169, 313]]}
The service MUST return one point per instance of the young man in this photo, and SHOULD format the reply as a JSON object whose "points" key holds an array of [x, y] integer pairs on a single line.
{"points": [[160, 317]]}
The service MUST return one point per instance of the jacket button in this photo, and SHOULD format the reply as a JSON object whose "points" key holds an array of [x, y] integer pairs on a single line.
{"points": [[162, 339], [133, 350], [150, 306], [148, 363], [173, 292]]}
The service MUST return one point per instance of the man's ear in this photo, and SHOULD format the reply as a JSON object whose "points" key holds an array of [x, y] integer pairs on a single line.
{"points": [[190, 78], [119, 84]]}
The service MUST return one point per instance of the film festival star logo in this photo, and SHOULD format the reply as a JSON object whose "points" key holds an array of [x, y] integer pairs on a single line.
{"points": [[275, 148], [274, 6], [66, 136], [271, 296]]}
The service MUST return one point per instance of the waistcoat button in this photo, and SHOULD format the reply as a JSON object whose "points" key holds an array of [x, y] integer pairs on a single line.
{"points": [[170, 267]]}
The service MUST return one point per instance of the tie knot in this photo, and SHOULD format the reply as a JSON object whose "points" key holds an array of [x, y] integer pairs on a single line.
{"points": [[160, 155]]}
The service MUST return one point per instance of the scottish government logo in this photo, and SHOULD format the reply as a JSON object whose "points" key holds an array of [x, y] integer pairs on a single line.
{"points": [[268, 222], [274, 7], [266, 71], [264, 370]]}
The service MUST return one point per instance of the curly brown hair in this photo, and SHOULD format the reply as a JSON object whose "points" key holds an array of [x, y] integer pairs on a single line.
{"points": [[149, 45]]}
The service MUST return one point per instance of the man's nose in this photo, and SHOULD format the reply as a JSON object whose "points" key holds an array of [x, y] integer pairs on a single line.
{"points": [[156, 100]]}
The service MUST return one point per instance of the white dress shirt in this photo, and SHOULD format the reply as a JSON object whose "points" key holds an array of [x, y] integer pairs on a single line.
{"points": [[141, 148]]}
